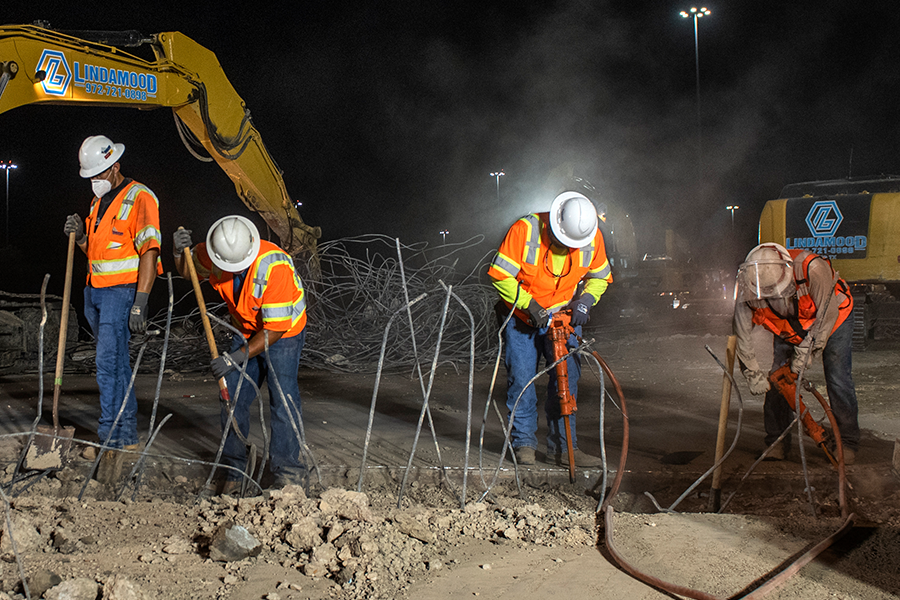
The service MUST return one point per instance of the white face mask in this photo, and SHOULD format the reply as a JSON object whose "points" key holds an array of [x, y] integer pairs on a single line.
{"points": [[101, 187]]}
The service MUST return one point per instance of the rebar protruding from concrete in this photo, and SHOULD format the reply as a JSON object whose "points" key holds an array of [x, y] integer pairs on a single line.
{"points": [[362, 467], [737, 435], [40, 406], [462, 502], [412, 338], [434, 363]]}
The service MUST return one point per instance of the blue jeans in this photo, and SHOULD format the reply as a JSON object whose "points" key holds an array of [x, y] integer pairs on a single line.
{"points": [[106, 311], [284, 447], [837, 361], [525, 346]]}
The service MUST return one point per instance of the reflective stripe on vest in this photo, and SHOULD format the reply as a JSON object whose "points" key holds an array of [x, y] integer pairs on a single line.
{"points": [[128, 201], [114, 267], [277, 311], [533, 243], [587, 253]]}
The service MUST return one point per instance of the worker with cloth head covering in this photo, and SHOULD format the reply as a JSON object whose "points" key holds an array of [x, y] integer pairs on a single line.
{"points": [[265, 298], [799, 298], [121, 239], [537, 271]]}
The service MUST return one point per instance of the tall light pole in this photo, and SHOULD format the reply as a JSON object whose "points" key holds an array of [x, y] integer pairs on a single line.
{"points": [[498, 175], [696, 14], [7, 167], [732, 209]]}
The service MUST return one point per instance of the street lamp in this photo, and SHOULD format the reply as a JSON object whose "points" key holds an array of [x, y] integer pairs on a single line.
{"points": [[498, 175], [444, 233], [7, 167], [732, 209], [696, 13]]}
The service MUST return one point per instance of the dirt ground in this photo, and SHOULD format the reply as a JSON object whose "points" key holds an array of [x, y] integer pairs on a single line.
{"points": [[530, 539]]}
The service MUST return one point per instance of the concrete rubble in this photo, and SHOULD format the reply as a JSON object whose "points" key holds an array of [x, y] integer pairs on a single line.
{"points": [[339, 537]]}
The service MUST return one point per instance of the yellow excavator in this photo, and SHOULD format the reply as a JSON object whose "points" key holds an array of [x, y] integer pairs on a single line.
{"points": [[39, 65]]}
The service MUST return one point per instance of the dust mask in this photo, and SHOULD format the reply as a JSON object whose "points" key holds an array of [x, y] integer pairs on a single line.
{"points": [[101, 187]]}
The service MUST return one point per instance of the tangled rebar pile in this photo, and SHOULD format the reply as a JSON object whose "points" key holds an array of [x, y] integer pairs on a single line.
{"points": [[360, 284]]}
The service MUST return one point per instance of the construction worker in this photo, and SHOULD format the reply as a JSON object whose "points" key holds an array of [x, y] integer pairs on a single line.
{"points": [[799, 298], [265, 297], [537, 271], [121, 239]]}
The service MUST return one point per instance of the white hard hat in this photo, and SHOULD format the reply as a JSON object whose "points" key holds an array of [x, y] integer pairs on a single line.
{"points": [[233, 243], [767, 272], [97, 154], [573, 219]]}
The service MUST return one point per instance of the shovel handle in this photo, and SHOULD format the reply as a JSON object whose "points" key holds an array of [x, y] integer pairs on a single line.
{"points": [[63, 330], [207, 328]]}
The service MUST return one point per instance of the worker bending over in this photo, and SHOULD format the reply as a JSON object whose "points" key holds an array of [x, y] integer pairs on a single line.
{"points": [[265, 296], [121, 239], [799, 298], [537, 270]]}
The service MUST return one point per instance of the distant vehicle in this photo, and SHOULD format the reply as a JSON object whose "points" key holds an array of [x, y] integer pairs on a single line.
{"points": [[856, 224]]}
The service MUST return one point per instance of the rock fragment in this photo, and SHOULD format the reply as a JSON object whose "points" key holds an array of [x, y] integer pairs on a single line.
{"points": [[119, 587], [81, 588], [41, 581], [232, 542]]}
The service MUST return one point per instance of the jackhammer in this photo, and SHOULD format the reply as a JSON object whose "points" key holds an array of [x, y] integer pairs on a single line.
{"points": [[559, 330], [785, 381]]}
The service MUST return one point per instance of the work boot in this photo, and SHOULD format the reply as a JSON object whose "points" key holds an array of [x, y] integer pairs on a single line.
{"points": [[524, 455], [231, 487], [582, 460], [849, 454], [110, 468]]}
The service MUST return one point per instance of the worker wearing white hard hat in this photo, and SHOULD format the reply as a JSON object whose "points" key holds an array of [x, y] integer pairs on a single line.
{"points": [[121, 239], [265, 298], [797, 296], [537, 271]]}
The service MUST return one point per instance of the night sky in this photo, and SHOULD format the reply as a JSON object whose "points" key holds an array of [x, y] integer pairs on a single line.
{"points": [[388, 117]]}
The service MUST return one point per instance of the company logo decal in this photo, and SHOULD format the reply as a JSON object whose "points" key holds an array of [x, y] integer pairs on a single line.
{"points": [[94, 79], [824, 218], [836, 228], [58, 75]]}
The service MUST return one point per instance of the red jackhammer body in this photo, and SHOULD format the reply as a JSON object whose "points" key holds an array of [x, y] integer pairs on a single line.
{"points": [[785, 381], [559, 331]]}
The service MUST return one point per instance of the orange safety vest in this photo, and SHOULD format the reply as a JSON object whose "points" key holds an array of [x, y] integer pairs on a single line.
{"points": [[525, 254], [794, 328], [271, 295], [128, 229]]}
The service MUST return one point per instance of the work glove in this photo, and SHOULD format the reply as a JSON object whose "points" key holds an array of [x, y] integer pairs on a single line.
{"points": [[181, 239], [759, 383], [74, 223], [581, 310], [137, 318], [226, 363], [799, 360], [538, 316]]}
